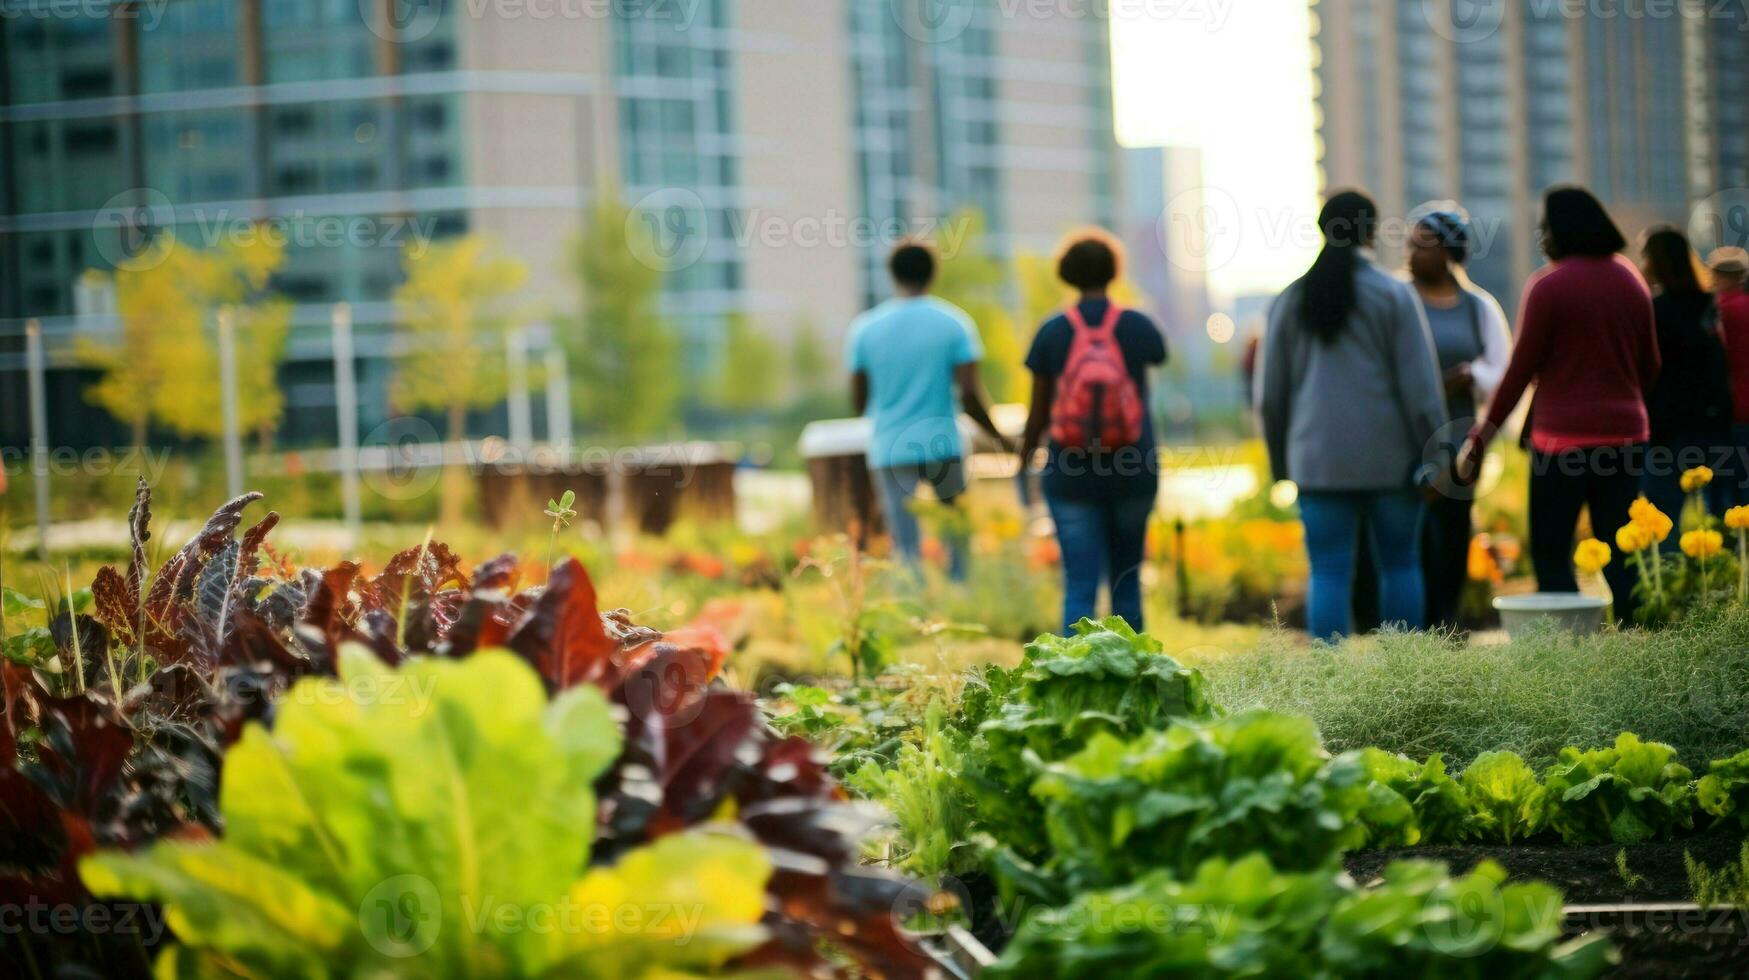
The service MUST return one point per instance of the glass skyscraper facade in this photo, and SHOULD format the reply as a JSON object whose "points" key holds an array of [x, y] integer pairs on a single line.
{"points": [[120, 122], [675, 101], [1493, 112]]}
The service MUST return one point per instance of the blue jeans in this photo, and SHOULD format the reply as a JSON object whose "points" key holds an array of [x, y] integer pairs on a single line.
{"points": [[1101, 541], [1393, 524], [897, 485]]}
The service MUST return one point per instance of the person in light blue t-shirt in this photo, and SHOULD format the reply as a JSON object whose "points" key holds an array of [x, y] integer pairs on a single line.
{"points": [[906, 358]]}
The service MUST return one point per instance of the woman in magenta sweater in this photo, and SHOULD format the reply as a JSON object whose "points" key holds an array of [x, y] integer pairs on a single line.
{"points": [[1587, 337]]}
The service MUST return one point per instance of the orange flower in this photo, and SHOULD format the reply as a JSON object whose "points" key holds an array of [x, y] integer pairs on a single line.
{"points": [[932, 550], [1483, 567], [1044, 553]]}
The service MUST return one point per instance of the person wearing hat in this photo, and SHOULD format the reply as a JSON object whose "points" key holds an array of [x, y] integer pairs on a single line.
{"points": [[1473, 342], [1729, 266]]}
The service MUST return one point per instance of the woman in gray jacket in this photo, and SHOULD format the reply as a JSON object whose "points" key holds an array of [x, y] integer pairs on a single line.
{"points": [[1351, 402]]}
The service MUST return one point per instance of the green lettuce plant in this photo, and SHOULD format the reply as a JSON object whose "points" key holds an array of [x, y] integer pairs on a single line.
{"points": [[1231, 919], [1506, 798], [1106, 679], [1255, 781], [1421, 922], [1626, 794], [435, 821], [1723, 792], [1442, 812], [1246, 918]]}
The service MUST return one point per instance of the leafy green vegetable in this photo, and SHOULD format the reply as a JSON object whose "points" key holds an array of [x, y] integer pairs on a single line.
{"points": [[1106, 679], [1441, 807], [1256, 781], [1421, 922], [1627, 794], [1245, 918], [1724, 791], [420, 822], [1231, 919], [810, 711], [922, 792], [1108, 669], [14, 603], [1505, 795]]}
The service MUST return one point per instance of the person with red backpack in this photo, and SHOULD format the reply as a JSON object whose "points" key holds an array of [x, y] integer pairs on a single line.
{"points": [[1101, 474]]}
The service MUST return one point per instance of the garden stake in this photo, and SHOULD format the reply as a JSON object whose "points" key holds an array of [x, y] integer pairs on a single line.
{"points": [[1183, 571]]}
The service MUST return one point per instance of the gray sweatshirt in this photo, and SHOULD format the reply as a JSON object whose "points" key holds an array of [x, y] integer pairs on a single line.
{"points": [[1360, 412]]}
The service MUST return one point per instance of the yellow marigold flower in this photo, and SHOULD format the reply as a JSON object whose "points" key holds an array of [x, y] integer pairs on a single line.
{"points": [[1655, 521], [1702, 544], [1632, 537], [1696, 478], [1737, 518], [1591, 555]]}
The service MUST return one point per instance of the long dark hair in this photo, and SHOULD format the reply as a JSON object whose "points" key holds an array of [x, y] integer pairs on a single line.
{"points": [[1575, 222], [1349, 221], [1671, 262]]}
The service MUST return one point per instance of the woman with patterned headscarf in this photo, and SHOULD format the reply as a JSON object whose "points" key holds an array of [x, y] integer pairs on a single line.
{"points": [[1473, 343]]}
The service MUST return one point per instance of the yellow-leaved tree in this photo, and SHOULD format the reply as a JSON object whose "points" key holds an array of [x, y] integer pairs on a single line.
{"points": [[456, 307], [161, 365]]}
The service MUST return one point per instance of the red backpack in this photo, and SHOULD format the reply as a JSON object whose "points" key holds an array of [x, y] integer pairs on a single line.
{"points": [[1098, 405]]}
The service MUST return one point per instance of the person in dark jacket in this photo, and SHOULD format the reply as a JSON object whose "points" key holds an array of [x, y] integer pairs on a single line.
{"points": [[1586, 337], [1689, 409]]}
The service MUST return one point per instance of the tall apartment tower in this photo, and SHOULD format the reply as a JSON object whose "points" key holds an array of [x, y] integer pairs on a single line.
{"points": [[1489, 104], [783, 141]]}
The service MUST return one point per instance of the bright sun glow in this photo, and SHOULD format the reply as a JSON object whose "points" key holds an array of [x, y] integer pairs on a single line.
{"points": [[1235, 79]]}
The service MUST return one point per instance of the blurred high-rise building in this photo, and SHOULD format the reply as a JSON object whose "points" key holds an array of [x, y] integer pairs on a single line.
{"points": [[1164, 229], [775, 149], [1490, 103]]}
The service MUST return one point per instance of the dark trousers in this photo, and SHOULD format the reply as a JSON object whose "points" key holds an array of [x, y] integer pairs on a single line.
{"points": [[1605, 480], [1445, 558]]}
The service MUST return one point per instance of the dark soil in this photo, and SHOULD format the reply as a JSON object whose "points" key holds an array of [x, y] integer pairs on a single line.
{"points": [[1713, 943], [1586, 875]]}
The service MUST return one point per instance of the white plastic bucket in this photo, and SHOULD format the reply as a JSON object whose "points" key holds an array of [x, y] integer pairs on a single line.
{"points": [[1569, 611]]}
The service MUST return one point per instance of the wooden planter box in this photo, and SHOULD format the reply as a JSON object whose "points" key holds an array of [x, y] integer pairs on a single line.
{"points": [[652, 488]]}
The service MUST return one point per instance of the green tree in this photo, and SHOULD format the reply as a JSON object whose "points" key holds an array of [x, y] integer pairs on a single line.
{"points": [[750, 379], [626, 355], [162, 362], [975, 281], [810, 364], [455, 309]]}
